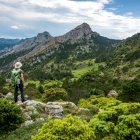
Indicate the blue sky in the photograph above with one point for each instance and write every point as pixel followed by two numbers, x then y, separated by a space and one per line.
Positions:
pixel 116 19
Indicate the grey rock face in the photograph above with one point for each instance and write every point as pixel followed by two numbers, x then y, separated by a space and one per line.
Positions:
pixel 9 96
pixel 54 110
pixel 112 93
pixel 1 95
pixel 29 43
pixel 26 123
pixel 64 104
pixel 78 33
pixel 40 120
pixel 34 103
pixel 68 107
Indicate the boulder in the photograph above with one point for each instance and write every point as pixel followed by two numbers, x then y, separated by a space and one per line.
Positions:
pixel 31 109
pixel 26 123
pixel 27 116
pixel 54 110
pixel 40 120
pixel 9 95
pixel 1 95
pixel 34 105
pixel 25 96
pixel 112 93
pixel 68 107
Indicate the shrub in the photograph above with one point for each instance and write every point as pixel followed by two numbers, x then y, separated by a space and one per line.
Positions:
pixel 54 94
pixel 128 127
pixel 32 91
pixel 10 116
pixel 41 89
pixel 52 84
pixel 113 113
pixel 68 128
pixel 2 83
pixel 120 121
pixel 100 102
pixel 5 90
pixel 101 128
pixel 87 104
pixel 83 103
pixel 97 92
pixel 130 91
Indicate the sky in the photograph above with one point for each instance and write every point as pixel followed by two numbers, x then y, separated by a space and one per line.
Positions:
pixel 117 19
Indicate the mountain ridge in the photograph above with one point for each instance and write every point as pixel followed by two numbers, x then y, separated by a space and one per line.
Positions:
pixel 77 34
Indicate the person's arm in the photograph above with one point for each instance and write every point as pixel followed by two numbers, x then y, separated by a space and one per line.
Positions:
pixel 22 77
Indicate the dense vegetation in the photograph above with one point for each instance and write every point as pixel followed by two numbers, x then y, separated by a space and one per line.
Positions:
pixel 10 116
pixel 67 128
pixel 5 43
pixel 84 73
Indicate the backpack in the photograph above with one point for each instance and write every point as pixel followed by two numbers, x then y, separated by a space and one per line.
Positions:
pixel 15 76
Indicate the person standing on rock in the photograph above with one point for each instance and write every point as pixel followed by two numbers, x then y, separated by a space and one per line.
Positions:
pixel 17 79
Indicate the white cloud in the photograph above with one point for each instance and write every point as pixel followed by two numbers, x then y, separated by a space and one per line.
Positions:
pixel 15 27
pixel 104 21
pixel 129 14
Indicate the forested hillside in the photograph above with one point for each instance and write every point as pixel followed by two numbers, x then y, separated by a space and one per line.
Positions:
pixel 5 43
pixel 93 80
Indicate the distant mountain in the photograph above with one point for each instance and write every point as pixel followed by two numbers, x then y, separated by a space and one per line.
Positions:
pixel 83 60
pixel 78 44
pixel 80 32
pixel 30 43
pixel 25 45
pixel 126 58
pixel 5 43
pixel 82 35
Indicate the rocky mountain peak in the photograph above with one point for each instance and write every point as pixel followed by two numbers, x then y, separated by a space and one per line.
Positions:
pixel 29 43
pixel 77 33
pixel 84 27
pixel 44 35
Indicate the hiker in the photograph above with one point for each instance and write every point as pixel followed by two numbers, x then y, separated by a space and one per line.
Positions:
pixel 17 79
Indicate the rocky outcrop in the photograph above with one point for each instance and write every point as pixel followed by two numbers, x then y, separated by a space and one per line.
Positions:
pixel 1 95
pixel 35 111
pixel 54 110
pixel 80 32
pixel 68 107
pixel 29 43
pixel 112 93
pixel 9 96
pixel 64 104
pixel 74 35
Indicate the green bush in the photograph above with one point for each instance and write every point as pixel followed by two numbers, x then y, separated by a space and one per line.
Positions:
pixel 120 121
pixel 130 91
pixel 68 128
pixel 5 90
pixel 2 84
pixel 10 116
pixel 128 127
pixel 32 91
pixel 104 102
pixel 54 94
pixel 41 89
pixel 52 84
pixel 100 102
pixel 83 103
pixel 2 81
pixel 114 112
pixel 101 128
pixel 97 92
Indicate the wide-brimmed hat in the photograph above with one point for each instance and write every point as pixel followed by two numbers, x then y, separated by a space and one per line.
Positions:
pixel 18 65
